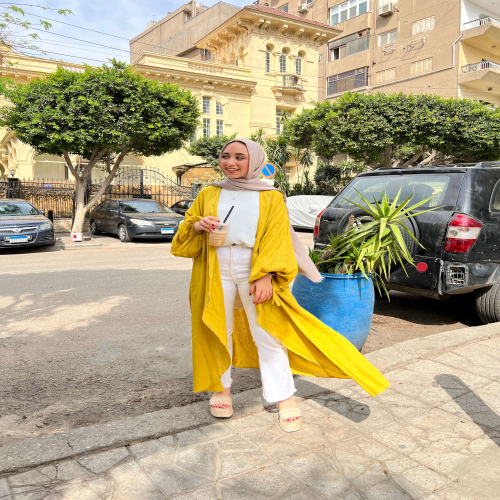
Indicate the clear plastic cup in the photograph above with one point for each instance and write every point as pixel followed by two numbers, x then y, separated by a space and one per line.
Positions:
pixel 218 235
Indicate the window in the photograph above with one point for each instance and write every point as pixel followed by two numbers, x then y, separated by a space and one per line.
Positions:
pixel 348 10
pixel 387 75
pixel 422 66
pixel 388 37
pixel 206 105
pixel 112 207
pixel 278 124
pixel 349 45
pixel 284 8
pixel 219 128
pixel 187 16
pixel 206 127
pixel 206 54
pixel 347 81
pixel 193 137
pixel 287 173
pixel 495 199
pixel 218 108
pixel 423 25
pixel 283 61
pixel 268 59
pixel 298 64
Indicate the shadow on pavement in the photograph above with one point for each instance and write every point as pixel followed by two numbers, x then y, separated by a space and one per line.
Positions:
pixel 472 405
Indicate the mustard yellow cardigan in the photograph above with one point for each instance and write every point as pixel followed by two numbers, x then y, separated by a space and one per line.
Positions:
pixel 314 349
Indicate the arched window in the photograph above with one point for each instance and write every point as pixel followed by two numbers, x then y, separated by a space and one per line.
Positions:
pixel 298 63
pixel 283 55
pixel 268 58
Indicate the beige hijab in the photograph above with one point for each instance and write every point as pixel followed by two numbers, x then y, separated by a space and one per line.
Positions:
pixel 251 182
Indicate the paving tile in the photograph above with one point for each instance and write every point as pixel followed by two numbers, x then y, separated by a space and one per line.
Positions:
pixel 482 363
pixel 103 461
pixel 273 481
pixel 128 481
pixel 381 491
pixel 253 422
pixel 199 459
pixel 153 454
pixel 319 473
pixel 174 480
pixel 203 434
pixel 4 488
pixel 205 493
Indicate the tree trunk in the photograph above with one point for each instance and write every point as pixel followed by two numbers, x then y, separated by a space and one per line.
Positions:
pixel 80 210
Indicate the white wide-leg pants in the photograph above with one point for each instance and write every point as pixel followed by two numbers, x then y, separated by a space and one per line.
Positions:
pixel 235 264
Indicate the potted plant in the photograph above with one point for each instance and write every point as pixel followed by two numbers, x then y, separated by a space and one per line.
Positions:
pixel 356 261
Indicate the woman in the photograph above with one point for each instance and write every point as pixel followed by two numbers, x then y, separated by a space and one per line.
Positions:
pixel 266 328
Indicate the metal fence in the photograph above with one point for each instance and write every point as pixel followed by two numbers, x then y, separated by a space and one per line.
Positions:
pixel 58 197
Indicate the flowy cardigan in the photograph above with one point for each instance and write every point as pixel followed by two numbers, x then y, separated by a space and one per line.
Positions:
pixel 314 349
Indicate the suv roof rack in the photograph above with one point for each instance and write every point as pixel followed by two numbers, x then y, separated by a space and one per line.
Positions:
pixel 481 164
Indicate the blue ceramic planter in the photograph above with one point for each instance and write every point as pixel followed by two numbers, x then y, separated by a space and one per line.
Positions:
pixel 343 302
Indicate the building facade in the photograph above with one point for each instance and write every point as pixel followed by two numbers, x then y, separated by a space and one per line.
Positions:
pixel 439 47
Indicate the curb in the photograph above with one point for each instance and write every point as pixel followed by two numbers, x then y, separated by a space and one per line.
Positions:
pixel 24 455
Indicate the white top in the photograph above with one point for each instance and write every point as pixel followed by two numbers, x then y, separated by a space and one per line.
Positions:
pixel 244 217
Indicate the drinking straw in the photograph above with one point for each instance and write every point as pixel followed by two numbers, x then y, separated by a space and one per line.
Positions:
pixel 228 214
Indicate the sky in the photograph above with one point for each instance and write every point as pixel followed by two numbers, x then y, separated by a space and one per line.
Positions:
pixel 118 22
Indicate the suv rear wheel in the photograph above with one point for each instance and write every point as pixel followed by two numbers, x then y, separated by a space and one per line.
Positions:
pixel 488 303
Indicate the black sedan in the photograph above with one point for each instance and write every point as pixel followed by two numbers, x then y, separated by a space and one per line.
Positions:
pixel 181 207
pixel 21 224
pixel 135 218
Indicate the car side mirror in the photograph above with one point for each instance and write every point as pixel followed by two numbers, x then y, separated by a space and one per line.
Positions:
pixel 42 212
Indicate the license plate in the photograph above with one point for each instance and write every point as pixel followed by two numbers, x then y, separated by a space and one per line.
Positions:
pixel 167 230
pixel 18 239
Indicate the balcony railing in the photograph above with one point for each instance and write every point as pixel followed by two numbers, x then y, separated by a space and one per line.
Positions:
pixel 291 82
pixel 481 22
pixel 470 68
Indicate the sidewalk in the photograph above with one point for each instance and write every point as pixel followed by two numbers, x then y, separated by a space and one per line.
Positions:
pixel 435 434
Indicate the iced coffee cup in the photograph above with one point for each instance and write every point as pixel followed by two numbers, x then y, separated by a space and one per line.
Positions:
pixel 218 235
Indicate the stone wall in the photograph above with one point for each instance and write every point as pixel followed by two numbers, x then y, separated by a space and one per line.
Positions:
pixel 64 226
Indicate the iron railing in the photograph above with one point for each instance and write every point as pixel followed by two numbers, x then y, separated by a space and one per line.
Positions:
pixel 57 197
pixel 481 22
pixel 470 68
pixel 291 82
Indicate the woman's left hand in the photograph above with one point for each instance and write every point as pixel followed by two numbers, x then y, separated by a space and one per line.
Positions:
pixel 262 289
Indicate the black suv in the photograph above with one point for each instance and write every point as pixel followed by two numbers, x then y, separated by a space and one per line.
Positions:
pixel 461 237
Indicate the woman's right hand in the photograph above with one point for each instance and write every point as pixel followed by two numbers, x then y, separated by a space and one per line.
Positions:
pixel 205 224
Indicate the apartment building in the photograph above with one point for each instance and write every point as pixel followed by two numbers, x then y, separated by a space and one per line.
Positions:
pixel 440 47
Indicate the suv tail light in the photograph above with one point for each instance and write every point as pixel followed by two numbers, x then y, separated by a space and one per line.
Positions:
pixel 461 234
pixel 316 224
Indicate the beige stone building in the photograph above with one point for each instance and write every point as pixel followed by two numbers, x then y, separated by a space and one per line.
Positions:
pixel 445 47
pixel 244 65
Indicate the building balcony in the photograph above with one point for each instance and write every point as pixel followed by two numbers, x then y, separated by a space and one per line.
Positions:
pixel 288 84
pixel 484 75
pixel 483 33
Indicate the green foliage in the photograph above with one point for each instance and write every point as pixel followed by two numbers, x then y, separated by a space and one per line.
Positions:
pixel 380 129
pixel 20 34
pixel 259 136
pixel 281 182
pixel 108 109
pixel 209 148
pixel 278 151
pixel 372 247
pixel 327 178
pixel 306 187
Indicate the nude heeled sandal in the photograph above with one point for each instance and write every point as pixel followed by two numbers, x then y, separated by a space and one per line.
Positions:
pixel 286 414
pixel 216 403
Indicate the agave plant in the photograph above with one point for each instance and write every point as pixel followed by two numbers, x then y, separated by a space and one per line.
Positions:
pixel 372 247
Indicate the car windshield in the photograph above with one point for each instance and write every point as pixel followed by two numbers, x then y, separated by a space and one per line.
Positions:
pixel 16 208
pixel 443 187
pixel 144 207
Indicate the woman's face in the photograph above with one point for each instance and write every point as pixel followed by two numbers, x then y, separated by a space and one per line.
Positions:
pixel 234 160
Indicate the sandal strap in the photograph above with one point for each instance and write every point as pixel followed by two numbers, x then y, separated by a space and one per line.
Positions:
pixel 221 400
pixel 289 412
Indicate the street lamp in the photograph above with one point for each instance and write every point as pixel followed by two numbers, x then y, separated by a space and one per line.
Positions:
pixel 12 172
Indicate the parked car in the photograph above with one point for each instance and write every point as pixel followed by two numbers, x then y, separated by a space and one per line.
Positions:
pixel 181 207
pixel 460 238
pixel 135 218
pixel 21 224
pixel 304 209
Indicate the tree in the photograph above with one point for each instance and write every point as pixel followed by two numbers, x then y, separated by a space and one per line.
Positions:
pixel 105 112
pixel 209 149
pixel 397 129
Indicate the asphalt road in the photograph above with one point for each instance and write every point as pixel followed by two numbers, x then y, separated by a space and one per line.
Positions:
pixel 100 334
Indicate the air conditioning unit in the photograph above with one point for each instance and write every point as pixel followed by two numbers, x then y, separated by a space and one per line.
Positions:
pixel 386 10
pixel 304 7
